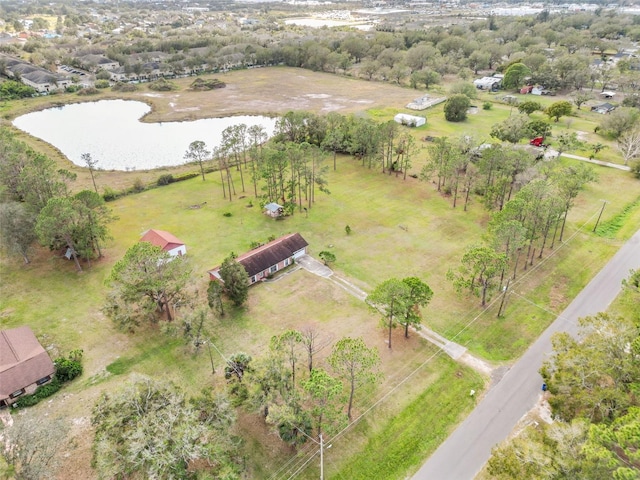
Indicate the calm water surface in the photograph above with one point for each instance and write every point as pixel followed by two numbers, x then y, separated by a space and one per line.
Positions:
pixel 111 131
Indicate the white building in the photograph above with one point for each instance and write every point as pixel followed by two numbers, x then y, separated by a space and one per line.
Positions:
pixel 410 120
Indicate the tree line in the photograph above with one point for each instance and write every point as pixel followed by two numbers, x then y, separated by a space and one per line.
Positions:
pixel 556 51
pixel 37 204
pixel 529 200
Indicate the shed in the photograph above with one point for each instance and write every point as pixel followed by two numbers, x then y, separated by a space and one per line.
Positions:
pixel 166 241
pixel 24 364
pixel 410 120
pixel 487 83
pixel 274 210
pixel 603 108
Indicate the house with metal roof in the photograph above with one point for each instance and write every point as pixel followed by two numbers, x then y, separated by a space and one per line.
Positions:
pixel 274 210
pixel 24 364
pixel 265 260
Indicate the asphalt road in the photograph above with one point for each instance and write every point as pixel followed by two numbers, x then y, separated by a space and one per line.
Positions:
pixel 464 453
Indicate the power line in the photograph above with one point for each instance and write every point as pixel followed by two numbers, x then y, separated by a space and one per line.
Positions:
pixel 440 351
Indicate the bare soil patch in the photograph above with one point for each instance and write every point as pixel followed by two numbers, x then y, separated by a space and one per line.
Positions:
pixel 274 91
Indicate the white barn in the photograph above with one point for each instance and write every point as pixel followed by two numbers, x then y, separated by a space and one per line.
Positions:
pixel 410 120
pixel 488 83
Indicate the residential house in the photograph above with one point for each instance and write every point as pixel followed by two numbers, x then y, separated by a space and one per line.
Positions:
pixel 166 241
pixel 94 63
pixel 269 258
pixel 42 80
pixel 120 75
pixel 24 364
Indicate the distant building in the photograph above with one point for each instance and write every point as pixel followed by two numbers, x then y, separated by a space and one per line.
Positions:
pixel 603 108
pixel 488 83
pixel 40 79
pixel 94 63
pixel 24 364
pixel 409 120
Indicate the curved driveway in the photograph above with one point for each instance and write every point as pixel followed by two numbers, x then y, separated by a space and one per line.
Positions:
pixel 464 453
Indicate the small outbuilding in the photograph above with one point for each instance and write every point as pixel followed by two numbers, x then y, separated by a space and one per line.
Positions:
pixel 24 364
pixel 166 241
pixel 410 120
pixel 603 108
pixel 488 83
pixel 274 210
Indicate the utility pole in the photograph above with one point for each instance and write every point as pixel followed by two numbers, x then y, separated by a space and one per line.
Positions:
pixel 604 204
pixel 321 458
pixel 504 295
pixel 213 369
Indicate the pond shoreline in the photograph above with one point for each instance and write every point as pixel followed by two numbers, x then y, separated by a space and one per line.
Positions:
pixel 112 132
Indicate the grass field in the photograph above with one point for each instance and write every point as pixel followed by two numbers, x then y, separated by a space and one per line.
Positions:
pixel 399 228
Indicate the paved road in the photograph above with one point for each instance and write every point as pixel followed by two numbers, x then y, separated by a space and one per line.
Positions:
pixel 468 448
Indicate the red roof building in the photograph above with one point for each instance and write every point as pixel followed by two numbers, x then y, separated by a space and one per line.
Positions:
pixel 166 241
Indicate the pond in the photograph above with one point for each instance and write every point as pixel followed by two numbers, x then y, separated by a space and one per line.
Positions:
pixel 111 131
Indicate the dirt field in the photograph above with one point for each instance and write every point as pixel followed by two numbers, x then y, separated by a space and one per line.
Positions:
pixel 273 91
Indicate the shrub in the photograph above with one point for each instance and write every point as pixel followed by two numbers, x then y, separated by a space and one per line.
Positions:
pixel 165 179
pixel 73 88
pixel 227 214
pixel 487 106
pixel 138 185
pixel 41 393
pixel 200 84
pixel 103 75
pixel 455 109
pixel 102 84
pixel 67 369
pixel 88 91
pixel 110 194
pixel 124 87
pixel 162 85
pixel 464 88
pixel 635 168
pixel 185 176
